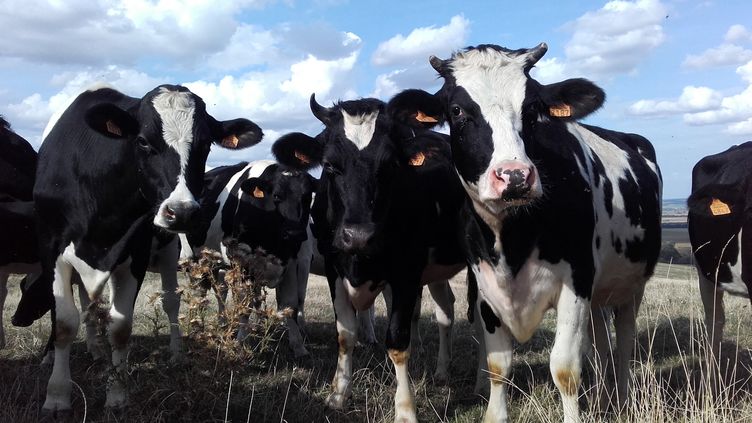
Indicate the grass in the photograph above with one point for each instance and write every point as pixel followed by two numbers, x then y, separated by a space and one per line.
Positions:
pixel 213 386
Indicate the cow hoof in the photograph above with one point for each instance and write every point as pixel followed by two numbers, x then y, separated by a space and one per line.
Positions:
pixel 56 415
pixel 116 402
pixel 177 359
pixel 405 417
pixel 441 377
pixel 56 407
pixel 301 353
pixel 48 359
pixel 336 401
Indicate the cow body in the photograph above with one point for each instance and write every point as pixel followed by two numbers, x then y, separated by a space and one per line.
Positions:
pixel 385 220
pixel 261 205
pixel 720 231
pixel 18 243
pixel 560 215
pixel 113 169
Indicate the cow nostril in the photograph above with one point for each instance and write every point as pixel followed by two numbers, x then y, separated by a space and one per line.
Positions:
pixel 347 236
pixel 169 213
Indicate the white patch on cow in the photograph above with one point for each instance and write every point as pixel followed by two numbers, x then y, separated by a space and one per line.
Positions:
pixel 360 128
pixel 496 83
pixel 93 279
pixel 214 234
pixel 362 296
pixel 737 286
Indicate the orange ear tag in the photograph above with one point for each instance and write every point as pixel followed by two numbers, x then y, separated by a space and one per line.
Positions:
pixel 113 128
pixel 302 157
pixel 230 141
pixel 258 193
pixel 562 110
pixel 422 117
pixel 418 159
pixel 719 208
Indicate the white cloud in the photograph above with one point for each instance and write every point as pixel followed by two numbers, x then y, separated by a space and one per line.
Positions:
pixel 421 76
pixel 723 55
pixel 738 34
pixel 421 43
pixel 692 99
pixel 550 70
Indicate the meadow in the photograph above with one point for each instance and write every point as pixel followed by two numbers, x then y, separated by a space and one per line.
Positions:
pixel 216 384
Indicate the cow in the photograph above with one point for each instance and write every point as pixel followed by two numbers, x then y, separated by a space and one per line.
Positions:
pixel 385 220
pixel 113 171
pixel 720 231
pixel 260 205
pixel 559 214
pixel 18 245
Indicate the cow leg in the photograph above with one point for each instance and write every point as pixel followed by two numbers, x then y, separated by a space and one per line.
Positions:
pixel 168 262
pixel 123 288
pixel 602 356
pixel 347 336
pixel 416 343
pixel 66 325
pixel 221 297
pixel 443 299
pixel 625 323
pixel 367 324
pixel 715 320
pixel 94 344
pixel 398 345
pixel 498 357
pixel 287 297
pixel 482 387
pixel 573 317
pixel 3 294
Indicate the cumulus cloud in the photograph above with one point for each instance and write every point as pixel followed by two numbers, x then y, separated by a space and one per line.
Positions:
pixel 704 106
pixel 692 99
pixel 616 38
pixel 738 33
pixel 723 55
pixel 421 43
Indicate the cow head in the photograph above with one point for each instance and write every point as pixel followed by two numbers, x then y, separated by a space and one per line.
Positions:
pixel 493 106
pixel 170 134
pixel 363 148
pixel 273 210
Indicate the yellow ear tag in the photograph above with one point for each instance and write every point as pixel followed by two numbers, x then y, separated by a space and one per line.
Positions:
pixel 562 110
pixel 719 208
pixel 302 157
pixel 113 128
pixel 422 117
pixel 230 141
pixel 418 159
pixel 258 193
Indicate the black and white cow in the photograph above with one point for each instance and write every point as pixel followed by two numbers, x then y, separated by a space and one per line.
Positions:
pixel 113 170
pixel 384 218
pixel 560 215
pixel 720 231
pixel 18 243
pixel 260 205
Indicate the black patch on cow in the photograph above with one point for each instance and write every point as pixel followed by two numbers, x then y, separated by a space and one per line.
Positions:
pixel 597 240
pixel 489 318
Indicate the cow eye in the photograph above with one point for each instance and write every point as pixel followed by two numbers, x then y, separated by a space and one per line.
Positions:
pixel 142 143
pixel 456 111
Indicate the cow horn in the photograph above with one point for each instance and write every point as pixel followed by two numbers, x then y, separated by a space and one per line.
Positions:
pixel 535 53
pixel 321 112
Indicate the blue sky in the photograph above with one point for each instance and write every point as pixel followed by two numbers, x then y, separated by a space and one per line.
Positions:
pixel 678 72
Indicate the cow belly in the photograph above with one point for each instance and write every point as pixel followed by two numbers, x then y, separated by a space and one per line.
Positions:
pixel 520 302
pixel 363 296
pixel 618 283
pixel 440 272
pixel 736 286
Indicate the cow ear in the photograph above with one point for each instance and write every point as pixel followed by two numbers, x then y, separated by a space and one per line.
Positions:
pixel 256 188
pixel 298 151
pixel 111 121
pixel 416 108
pixel 715 200
pixel 572 99
pixel 237 134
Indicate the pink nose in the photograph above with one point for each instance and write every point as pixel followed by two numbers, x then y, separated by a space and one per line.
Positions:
pixel 512 180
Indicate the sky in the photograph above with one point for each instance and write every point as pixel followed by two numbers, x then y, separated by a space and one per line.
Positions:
pixel 678 72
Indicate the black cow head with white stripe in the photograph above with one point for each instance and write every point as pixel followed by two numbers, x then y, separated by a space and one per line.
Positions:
pixel 170 134
pixel 493 106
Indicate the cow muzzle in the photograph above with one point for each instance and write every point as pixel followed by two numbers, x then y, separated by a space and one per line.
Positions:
pixel 511 181
pixel 354 237
pixel 177 216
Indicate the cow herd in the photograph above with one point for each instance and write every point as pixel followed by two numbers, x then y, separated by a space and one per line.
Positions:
pixel 543 212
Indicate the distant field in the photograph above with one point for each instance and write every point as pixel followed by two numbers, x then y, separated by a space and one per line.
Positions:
pixel 274 388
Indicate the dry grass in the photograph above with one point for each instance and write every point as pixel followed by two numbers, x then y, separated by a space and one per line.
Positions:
pixel 269 386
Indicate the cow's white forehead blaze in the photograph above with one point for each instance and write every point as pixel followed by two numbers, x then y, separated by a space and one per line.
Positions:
pixel 496 82
pixel 360 128
pixel 176 109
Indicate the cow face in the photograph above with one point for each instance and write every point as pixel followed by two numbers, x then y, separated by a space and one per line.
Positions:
pixel 358 160
pixel 274 209
pixel 492 106
pixel 170 134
